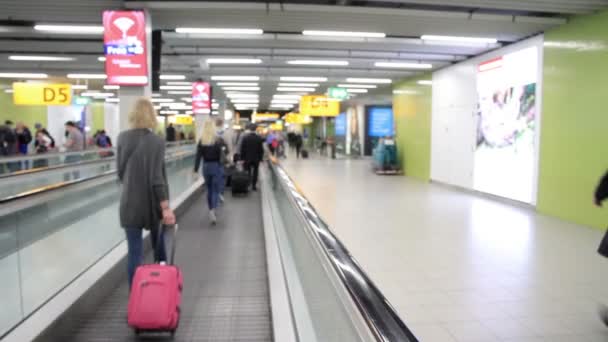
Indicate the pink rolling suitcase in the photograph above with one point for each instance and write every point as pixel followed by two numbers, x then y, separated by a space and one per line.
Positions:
pixel 154 302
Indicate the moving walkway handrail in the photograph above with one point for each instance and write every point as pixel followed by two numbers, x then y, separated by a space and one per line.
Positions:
pixel 103 160
pixel 379 315
pixel 65 184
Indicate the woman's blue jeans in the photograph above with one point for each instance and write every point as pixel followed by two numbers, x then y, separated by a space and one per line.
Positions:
pixel 135 254
pixel 212 172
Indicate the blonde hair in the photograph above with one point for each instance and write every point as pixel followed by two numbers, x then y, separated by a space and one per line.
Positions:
pixel 208 133
pixel 143 114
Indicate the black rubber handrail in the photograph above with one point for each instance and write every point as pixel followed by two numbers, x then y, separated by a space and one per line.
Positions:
pixel 379 315
pixel 57 167
pixel 65 184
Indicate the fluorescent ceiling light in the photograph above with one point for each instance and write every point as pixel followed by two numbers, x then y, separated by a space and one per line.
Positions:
pixel 88 76
pixel 156 95
pixel 281 106
pixel 114 99
pixel 317 62
pixel 369 80
pixel 241 95
pixel 208 30
pixel 22 75
pixel 8 91
pixel 215 106
pixel 298 85
pixel 303 79
pixel 179 92
pixel 101 59
pixel 460 39
pixel 214 112
pixel 96 94
pixel 80 87
pixel 242 88
pixel 286 96
pixel 244 101
pixel 162 100
pixel 368 86
pixel 41 58
pixel 186 99
pixel 179 83
pixel 175 87
pixel 425 82
pixel 234 61
pixel 403 65
pixel 111 87
pixel 172 77
pixel 238 84
pixel 72 29
pixel 344 34
pixel 356 90
pixel 168 112
pixel 235 78
pixel 295 89
pixel 285 101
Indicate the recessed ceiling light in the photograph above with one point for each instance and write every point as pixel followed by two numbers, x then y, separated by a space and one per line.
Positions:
pixel 209 30
pixel 369 80
pixel 356 90
pixel 242 88
pixel 72 29
pixel 302 79
pixel 88 76
pixel 179 92
pixel 369 86
pixel 172 77
pixel 235 78
pixel 298 85
pixel 101 59
pixel 22 75
pixel 234 61
pixel 460 39
pixel 175 87
pixel 344 34
pixel 403 65
pixel 297 89
pixel 425 82
pixel 161 100
pixel 179 83
pixel 238 84
pixel 41 58
pixel 318 62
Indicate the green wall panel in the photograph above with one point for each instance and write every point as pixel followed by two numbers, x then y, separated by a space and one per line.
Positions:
pixel 29 115
pixel 574 123
pixel 98 115
pixel 412 111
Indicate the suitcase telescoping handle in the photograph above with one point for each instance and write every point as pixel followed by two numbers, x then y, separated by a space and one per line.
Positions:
pixel 173 242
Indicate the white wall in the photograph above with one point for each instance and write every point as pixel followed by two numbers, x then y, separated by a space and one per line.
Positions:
pixel 111 121
pixel 454 125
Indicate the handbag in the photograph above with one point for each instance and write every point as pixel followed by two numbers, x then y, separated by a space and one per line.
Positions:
pixel 603 248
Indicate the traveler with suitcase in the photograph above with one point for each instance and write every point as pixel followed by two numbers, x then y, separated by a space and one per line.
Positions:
pixel 144 199
pixel 211 149
pixel 601 194
pixel 251 153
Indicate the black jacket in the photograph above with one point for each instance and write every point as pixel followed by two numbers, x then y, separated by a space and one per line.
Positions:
pixel 252 148
pixel 601 193
pixel 170 133
pixel 209 153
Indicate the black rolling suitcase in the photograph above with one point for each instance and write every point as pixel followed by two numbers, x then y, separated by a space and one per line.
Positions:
pixel 229 171
pixel 239 181
pixel 304 154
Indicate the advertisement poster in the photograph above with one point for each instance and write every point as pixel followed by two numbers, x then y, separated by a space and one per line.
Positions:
pixel 341 125
pixel 201 98
pixel 506 125
pixel 380 122
pixel 125 48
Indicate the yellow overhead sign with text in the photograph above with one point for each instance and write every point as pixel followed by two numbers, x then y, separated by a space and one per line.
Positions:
pixel 181 120
pixel 319 105
pixel 265 117
pixel 42 94
pixel 297 119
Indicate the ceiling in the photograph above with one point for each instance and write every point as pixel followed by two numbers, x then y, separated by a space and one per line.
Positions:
pixel 403 22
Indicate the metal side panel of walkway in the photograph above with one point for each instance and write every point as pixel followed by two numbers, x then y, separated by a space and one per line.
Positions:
pixel 225 280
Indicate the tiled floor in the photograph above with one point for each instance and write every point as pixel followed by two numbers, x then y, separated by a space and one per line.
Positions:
pixel 460 267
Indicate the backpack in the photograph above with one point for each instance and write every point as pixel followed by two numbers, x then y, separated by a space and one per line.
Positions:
pixel 103 141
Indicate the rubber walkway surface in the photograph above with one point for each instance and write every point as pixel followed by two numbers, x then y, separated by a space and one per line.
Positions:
pixel 225 281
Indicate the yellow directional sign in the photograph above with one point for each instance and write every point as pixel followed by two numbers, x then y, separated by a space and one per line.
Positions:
pixel 181 120
pixel 42 94
pixel 297 119
pixel 319 105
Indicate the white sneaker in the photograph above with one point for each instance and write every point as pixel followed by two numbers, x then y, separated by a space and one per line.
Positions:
pixel 212 216
pixel 221 198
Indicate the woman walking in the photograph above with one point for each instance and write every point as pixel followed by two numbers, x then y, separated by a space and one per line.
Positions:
pixel 211 149
pixel 144 201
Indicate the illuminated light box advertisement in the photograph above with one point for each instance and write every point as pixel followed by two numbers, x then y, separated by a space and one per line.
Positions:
pixel 341 125
pixel 201 98
pixel 124 38
pixel 380 122
pixel 506 125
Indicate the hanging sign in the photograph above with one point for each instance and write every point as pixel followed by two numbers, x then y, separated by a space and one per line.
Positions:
pixel 319 105
pixel 337 93
pixel 181 119
pixel 124 38
pixel 201 98
pixel 42 94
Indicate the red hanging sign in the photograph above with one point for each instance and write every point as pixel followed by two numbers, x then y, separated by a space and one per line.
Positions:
pixel 124 38
pixel 201 98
